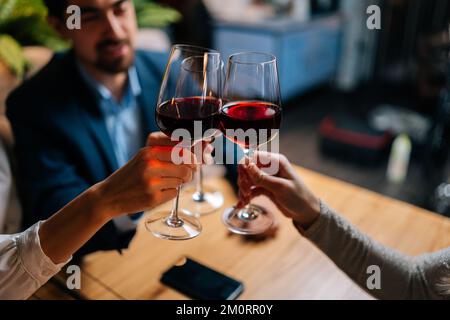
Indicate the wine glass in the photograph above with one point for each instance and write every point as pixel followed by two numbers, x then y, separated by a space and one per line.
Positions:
pixel 250 117
pixel 187 111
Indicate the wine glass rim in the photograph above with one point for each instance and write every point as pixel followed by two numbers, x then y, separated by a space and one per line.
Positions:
pixel 272 58
pixel 191 48
pixel 220 63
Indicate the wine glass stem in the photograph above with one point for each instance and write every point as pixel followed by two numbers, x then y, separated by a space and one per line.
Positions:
pixel 248 152
pixel 199 192
pixel 173 220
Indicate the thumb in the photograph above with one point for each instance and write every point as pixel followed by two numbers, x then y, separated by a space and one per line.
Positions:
pixel 261 179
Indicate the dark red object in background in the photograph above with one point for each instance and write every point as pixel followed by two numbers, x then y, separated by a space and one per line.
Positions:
pixel 353 140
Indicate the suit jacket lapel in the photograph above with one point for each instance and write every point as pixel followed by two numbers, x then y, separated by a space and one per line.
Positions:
pixel 149 78
pixel 97 126
pixel 93 118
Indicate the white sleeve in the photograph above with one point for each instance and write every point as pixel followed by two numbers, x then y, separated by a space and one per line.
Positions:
pixel 24 267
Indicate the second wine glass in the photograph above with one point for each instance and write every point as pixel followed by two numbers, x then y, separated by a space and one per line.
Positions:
pixel 250 117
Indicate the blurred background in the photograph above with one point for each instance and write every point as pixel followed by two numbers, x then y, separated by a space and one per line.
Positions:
pixel 370 107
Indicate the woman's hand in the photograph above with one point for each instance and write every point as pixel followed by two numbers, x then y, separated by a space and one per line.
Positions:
pixel 286 189
pixel 146 181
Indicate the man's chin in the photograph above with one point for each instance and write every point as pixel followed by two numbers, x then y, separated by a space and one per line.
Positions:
pixel 114 66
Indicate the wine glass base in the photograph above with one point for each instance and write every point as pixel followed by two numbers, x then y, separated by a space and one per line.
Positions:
pixel 201 204
pixel 188 227
pixel 248 221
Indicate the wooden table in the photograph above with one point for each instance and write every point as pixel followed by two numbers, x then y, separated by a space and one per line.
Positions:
pixel 286 267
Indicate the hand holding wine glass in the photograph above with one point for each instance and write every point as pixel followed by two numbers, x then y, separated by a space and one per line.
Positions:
pixel 286 189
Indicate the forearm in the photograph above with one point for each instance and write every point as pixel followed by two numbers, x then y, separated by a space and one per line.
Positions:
pixel 353 252
pixel 71 227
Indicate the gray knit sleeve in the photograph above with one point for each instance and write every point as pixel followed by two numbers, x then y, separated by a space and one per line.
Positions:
pixel 402 277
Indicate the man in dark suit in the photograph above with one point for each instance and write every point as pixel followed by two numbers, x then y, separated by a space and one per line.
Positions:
pixel 85 114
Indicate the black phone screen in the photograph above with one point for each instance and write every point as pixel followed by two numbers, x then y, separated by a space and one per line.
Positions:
pixel 201 282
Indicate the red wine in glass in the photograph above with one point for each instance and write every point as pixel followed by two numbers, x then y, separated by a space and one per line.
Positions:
pixel 246 115
pixel 182 113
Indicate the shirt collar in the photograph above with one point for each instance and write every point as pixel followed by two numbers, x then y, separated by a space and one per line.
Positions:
pixel 133 81
pixel 102 92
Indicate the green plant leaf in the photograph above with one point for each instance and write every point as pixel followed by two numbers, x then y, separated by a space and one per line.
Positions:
pixel 25 20
pixel 21 8
pixel 152 15
pixel 28 25
pixel 11 55
pixel 6 8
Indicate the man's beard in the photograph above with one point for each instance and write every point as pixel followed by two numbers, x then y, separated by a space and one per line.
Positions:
pixel 113 65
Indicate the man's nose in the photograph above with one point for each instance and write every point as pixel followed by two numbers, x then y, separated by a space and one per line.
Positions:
pixel 114 26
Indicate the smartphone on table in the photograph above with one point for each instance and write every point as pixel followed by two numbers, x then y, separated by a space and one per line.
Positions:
pixel 198 281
